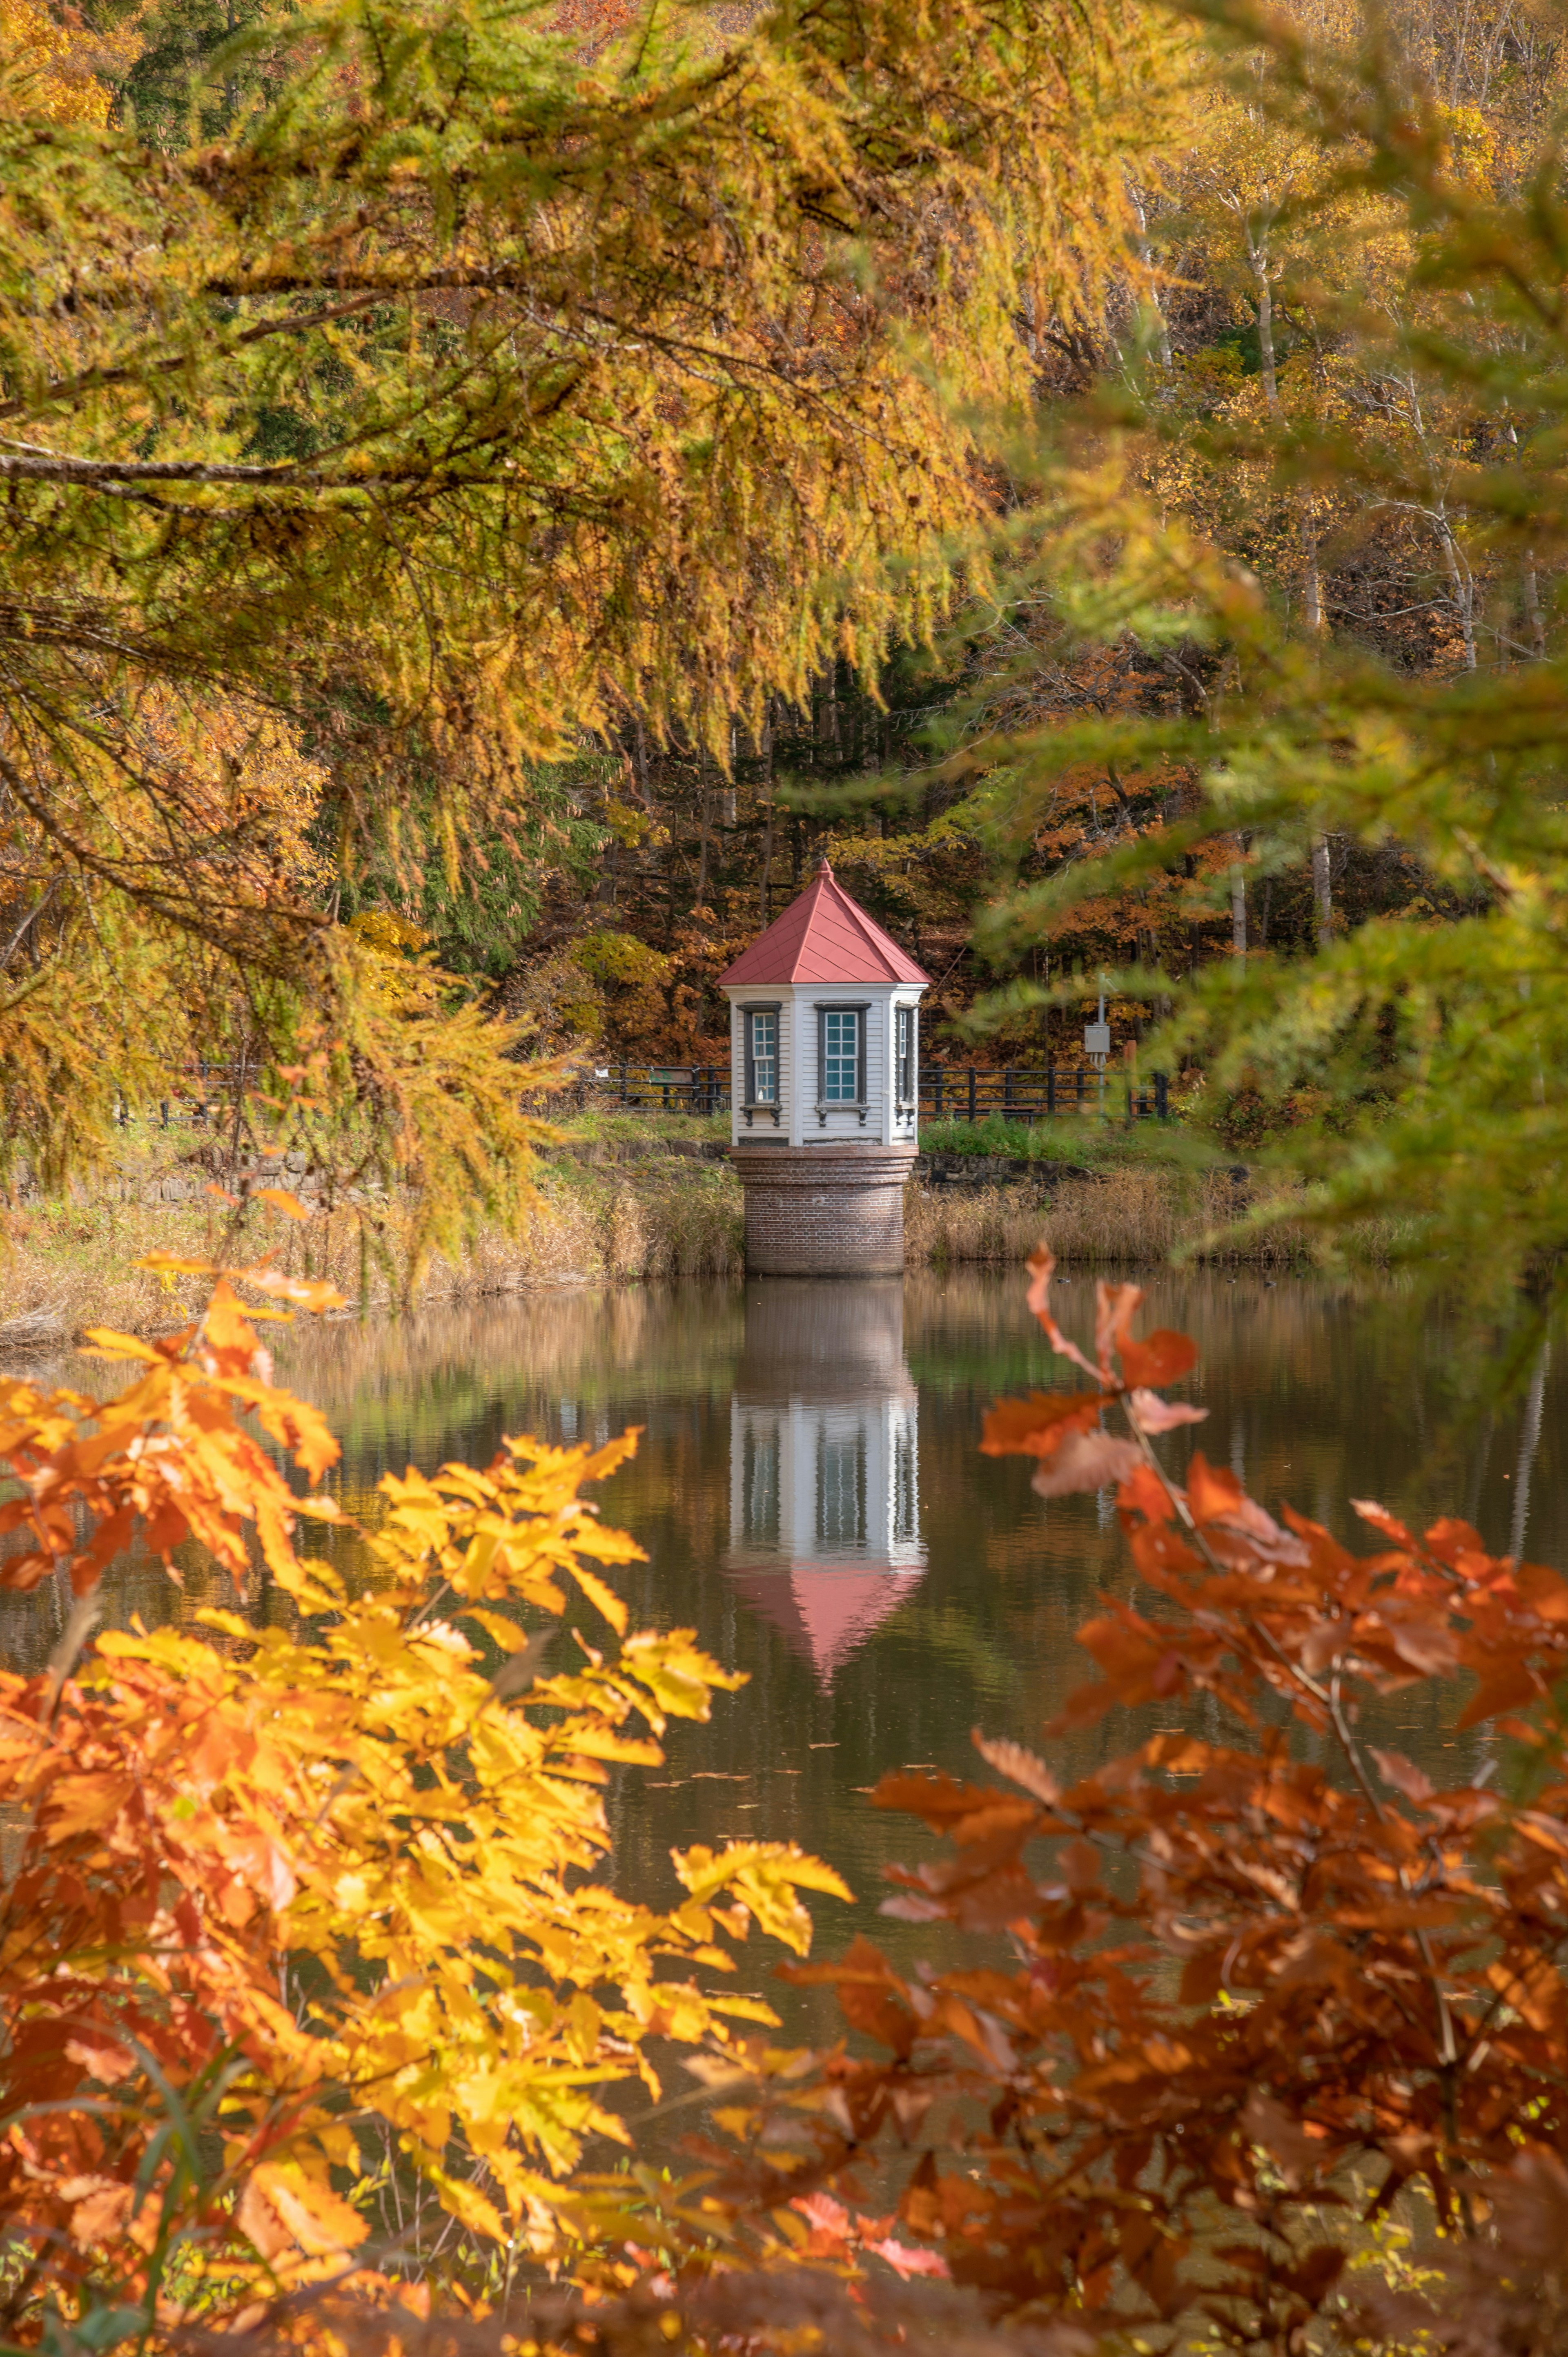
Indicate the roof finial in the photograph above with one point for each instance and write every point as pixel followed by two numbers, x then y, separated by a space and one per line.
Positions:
pixel 826 867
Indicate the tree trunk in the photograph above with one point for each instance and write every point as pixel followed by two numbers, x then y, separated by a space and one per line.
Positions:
pixel 702 800
pixel 1322 890
pixel 1239 908
pixel 1532 606
pixel 1528 1442
pixel 1152 296
pixel 1312 578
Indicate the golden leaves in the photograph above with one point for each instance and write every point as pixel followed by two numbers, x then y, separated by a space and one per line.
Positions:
pixel 763 1876
pixel 356 1800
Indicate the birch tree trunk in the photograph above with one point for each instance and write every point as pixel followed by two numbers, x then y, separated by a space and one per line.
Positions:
pixel 1322 890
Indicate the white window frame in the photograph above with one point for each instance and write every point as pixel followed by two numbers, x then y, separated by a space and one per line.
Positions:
pixel 906 1057
pixel 859 1104
pixel 751 1104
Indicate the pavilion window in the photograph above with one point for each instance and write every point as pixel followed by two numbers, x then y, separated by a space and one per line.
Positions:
pixel 840 1060
pixel 905 1075
pixel 761 1037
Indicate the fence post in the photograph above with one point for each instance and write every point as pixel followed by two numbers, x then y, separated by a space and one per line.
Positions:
pixel 971 1092
pixel 1162 1102
pixel 941 1069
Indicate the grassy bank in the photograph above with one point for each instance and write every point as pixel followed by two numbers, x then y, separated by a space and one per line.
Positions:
pixel 615 1206
pixel 67 1266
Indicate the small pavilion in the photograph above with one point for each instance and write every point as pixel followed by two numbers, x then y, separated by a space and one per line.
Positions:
pixel 825 1068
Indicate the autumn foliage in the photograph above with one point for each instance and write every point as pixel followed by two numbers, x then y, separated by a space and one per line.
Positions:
pixel 302 1928
pixel 310 1978
pixel 1222 2003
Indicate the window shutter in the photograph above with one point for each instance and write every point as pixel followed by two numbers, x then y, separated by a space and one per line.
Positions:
pixel 861 1023
pixel 748 1020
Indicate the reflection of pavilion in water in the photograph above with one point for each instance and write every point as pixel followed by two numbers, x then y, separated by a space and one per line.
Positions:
pixel 825 1487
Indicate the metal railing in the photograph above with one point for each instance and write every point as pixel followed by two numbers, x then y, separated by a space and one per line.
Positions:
pixel 1017 1092
pixel 1025 1094
pixel 203 1093
pixel 667 1088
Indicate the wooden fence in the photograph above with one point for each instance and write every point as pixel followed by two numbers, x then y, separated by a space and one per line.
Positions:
pixel 1020 1092
pixel 948 1092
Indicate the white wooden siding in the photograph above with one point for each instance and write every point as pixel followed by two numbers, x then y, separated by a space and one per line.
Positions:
pixel 800 1079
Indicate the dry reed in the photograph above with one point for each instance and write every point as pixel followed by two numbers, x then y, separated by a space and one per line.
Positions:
pixel 1119 1217
pixel 64 1266
pixel 67 1266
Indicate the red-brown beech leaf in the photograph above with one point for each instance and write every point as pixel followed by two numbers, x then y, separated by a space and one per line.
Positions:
pixel 1546 1592
pixel 1404 1775
pixel 1161 1358
pixel 1086 1460
pixel 1266 2121
pixel 940 1800
pixel 1041 1263
pixel 1504 1687
pixel 1020 1766
pixel 1382 1520
pixel 1156 1415
pixel 1038 1426
pixel 1215 1496
pixel 1115 1306
pixel 871 2000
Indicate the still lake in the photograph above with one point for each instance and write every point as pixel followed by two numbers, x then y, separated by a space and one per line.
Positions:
pixel 812 1502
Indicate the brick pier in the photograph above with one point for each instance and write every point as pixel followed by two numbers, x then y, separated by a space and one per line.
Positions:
pixel 824 1211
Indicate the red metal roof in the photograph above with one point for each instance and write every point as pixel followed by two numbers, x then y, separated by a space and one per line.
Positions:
pixel 823 937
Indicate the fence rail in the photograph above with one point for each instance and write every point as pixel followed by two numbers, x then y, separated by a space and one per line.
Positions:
pixel 203 1093
pixel 1020 1092
pixel 668 1088
pixel 951 1092
pixel 947 1091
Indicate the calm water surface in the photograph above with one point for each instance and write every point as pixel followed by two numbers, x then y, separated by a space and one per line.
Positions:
pixel 812 1500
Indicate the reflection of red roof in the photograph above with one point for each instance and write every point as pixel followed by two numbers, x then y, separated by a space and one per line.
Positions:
pixel 823 936
pixel 823 1613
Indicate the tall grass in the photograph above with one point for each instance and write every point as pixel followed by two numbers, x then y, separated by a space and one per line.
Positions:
pixel 1119 1216
pixel 64 1266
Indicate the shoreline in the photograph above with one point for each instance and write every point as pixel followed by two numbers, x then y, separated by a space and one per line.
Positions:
pixel 659 1215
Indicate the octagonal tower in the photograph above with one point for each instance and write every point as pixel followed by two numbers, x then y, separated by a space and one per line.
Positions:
pixel 825 1053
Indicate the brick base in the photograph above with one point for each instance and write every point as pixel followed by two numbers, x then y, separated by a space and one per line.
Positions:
pixel 824 1211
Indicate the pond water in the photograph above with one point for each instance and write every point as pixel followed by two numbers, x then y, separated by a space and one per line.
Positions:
pixel 811 1500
